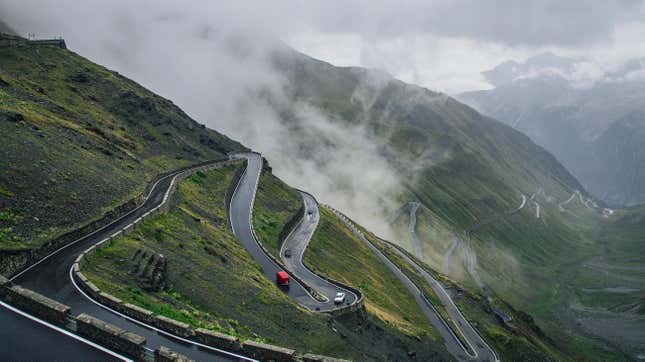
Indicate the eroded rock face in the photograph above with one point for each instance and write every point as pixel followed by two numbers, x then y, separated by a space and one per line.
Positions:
pixel 150 270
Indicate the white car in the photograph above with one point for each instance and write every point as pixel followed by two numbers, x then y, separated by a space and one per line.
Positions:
pixel 339 298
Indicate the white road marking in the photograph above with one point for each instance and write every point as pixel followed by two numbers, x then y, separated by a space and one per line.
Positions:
pixel 63 331
pixel 161 331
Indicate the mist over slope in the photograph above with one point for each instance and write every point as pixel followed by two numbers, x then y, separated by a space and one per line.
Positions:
pixel 441 151
pixel 587 116
pixel 495 210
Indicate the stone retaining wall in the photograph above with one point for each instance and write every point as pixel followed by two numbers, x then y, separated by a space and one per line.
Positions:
pixel 165 354
pixel 111 336
pixel 218 340
pixel 37 304
pixel 317 358
pixel 175 327
pixel 267 352
pixel 115 338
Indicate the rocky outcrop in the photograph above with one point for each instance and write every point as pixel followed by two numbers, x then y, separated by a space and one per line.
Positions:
pixel 149 269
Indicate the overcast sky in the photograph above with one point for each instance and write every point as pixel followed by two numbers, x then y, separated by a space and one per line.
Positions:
pixel 191 53
pixel 443 45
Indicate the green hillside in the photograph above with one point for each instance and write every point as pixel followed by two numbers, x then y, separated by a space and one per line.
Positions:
pixel 79 139
pixel 212 282
pixel 469 172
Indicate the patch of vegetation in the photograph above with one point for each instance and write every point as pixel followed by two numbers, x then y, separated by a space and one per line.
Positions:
pixel 78 134
pixel 337 253
pixel 275 204
pixel 212 282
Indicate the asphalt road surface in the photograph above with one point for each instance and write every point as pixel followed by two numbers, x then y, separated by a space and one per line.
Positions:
pixel 297 243
pixel 482 351
pixel 52 278
pixel 19 335
pixel 240 217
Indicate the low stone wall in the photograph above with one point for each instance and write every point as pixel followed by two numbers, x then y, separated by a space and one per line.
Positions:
pixel 218 340
pixel 111 336
pixel 165 354
pixel 317 358
pixel 267 352
pixel 37 304
pixel 175 327
pixel 137 312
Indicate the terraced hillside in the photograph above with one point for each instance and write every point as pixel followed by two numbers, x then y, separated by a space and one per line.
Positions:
pixel 79 139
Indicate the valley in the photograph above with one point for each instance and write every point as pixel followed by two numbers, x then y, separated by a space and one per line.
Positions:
pixel 452 236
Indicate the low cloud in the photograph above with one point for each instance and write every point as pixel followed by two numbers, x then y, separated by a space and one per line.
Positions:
pixel 219 70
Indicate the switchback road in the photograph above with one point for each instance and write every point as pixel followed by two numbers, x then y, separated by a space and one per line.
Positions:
pixel 240 214
pixel 51 277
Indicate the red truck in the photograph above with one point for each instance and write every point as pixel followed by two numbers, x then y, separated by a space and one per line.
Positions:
pixel 282 278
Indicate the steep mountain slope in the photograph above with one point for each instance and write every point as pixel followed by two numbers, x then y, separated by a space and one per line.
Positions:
pixel 429 137
pixel 580 118
pixel 79 139
pixel 489 196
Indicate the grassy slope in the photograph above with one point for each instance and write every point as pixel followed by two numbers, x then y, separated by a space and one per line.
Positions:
pixel 336 253
pixel 276 203
pixel 529 344
pixel 463 168
pixel 214 283
pixel 79 139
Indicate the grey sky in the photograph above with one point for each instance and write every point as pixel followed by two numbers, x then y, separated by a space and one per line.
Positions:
pixel 443 45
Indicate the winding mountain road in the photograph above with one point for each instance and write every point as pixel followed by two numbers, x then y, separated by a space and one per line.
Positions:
pixel 51 277
pixel 481 350
pixel 297 241
pixel 240 214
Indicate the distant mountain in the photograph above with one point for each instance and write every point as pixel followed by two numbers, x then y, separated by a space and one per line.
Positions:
pixel 580 113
